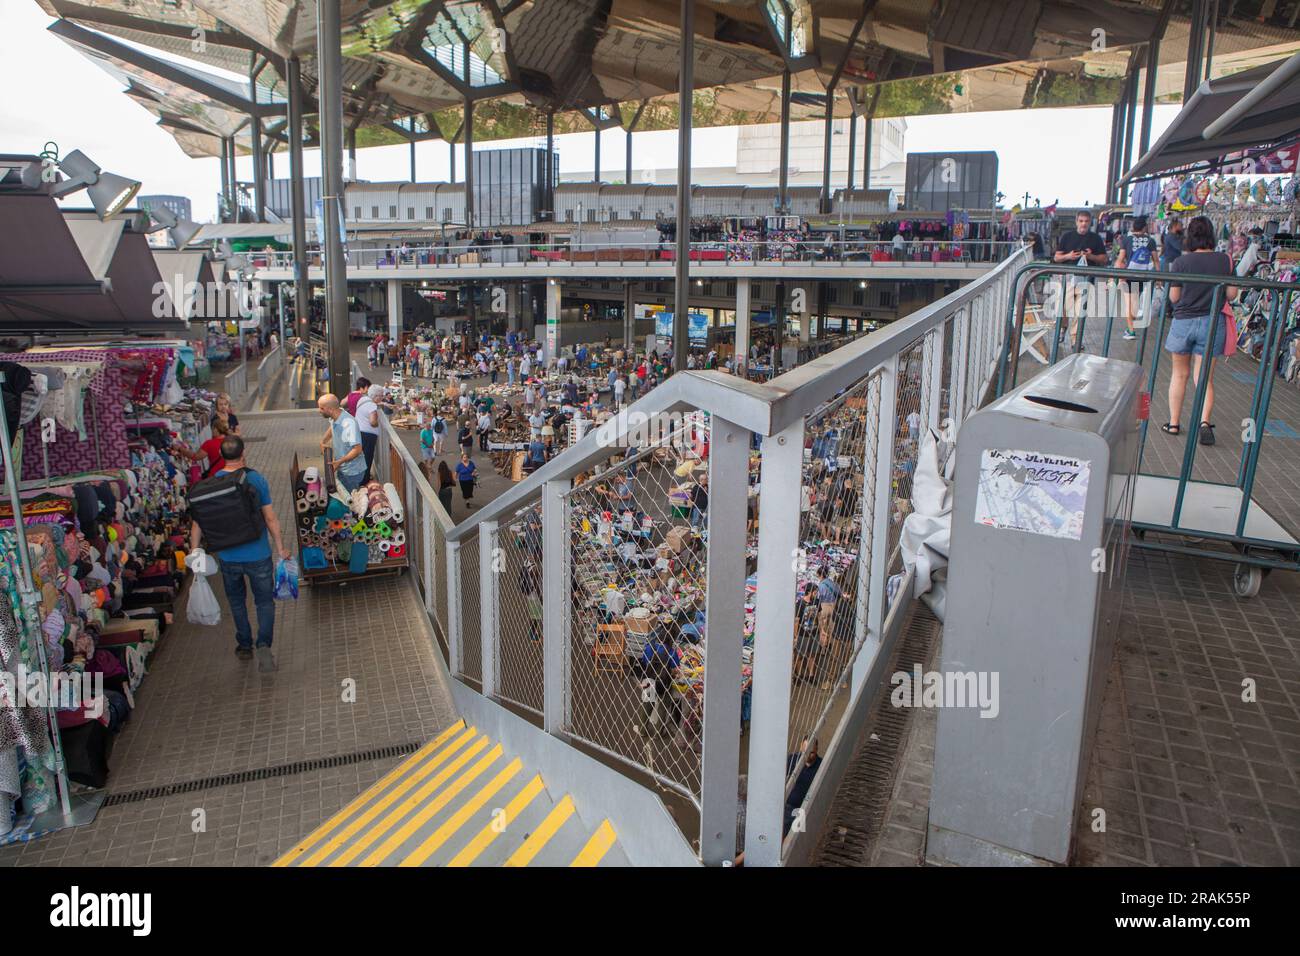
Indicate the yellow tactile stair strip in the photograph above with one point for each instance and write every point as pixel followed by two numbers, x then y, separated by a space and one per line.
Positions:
pixel 460 764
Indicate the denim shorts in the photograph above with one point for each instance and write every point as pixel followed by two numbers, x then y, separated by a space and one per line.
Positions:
pixel 1189 336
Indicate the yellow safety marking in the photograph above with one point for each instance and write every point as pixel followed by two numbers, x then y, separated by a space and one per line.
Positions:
pixel 457 820
pixel 542 835
pixel 435 805
pixel 414 800
pixel 597 846
pixel 372 791
pixel 476 846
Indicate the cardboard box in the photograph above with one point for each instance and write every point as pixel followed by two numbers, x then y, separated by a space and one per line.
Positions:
pixel 639 625
pixel 678 538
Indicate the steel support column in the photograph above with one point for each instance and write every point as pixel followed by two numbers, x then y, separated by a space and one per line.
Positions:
pixel 234 181
pixel 685 105
pixel 225 180
pixel 298 200
pixel 629 316
pixel 824 203
pixel 330 94
pixel 469 163
pixel 853 142
pixel 1149 96
pixel 1213 16
pixel 1195 49
pixel 1112 152
pixel 550 163
pixel 596 176
pixel 783 181
pixel 259 170
pixel 740 358
pixel 1130 119
pixel 866 151
pixel 412 160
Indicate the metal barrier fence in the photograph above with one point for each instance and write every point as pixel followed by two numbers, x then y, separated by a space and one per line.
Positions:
pixel 853 254
pixel 539 594
pixel 269 368
pixel 236 383
pixel 1221 499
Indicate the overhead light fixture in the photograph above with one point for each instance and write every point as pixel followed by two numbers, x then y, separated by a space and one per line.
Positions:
pixel 108 192
pixel 181 231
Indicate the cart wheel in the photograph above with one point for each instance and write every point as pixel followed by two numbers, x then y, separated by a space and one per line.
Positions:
pixel 1246 580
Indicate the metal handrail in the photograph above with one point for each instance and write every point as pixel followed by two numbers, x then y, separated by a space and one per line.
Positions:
pixel 841 253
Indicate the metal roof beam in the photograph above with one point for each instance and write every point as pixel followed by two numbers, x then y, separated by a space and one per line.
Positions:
pixel 168 71
pixel 126 21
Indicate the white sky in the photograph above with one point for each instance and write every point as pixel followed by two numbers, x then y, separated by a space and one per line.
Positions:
pixel 57 94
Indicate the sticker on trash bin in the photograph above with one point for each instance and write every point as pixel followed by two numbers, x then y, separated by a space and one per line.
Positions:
pixel 1033 492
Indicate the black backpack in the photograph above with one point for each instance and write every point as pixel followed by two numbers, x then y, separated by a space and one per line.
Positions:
pixel 228 510
pixel 438 426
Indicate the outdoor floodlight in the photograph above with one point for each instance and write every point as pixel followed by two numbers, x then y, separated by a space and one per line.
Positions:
pixel 181 231
pixel 109 193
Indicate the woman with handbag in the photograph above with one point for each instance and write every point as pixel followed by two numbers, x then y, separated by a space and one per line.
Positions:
pixel 1188 341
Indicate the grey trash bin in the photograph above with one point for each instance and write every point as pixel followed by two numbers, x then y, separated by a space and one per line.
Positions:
pixel 1043 493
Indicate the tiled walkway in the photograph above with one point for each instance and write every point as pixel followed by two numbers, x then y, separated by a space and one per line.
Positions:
pixel 201 713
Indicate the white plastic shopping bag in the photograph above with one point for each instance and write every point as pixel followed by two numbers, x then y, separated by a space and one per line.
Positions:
pixel 203 607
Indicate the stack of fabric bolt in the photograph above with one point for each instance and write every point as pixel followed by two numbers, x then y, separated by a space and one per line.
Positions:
pixel 356 530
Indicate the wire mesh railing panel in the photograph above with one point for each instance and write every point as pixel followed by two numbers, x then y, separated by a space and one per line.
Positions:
pixel 471 616
pixel 518 565
pixel 908 423
pixel 635 687
pixel 833 563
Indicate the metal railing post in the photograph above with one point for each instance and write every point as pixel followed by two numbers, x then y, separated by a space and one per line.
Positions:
pixel 882 513
pixel 489 605
pixel 557 630
pixel 957 386
pixel 725 627
pixel 426 532
pixel 455 635
pixel 781 478
pixel 932 374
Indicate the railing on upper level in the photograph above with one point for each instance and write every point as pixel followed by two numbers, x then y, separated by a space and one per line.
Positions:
pixel 533 595
pixel 847 254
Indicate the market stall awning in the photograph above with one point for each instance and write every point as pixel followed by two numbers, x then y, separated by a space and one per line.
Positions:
pixel 1268 118
pixel 242 230
pixel 66 272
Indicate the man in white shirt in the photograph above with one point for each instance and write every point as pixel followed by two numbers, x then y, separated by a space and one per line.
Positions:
pixel 900 247
pixel 535 422
pixel 525 366
pixel 620 386
pixel 367 417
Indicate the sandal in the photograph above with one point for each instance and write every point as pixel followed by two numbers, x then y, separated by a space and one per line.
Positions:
pixel 1170 428
pixel 1207 433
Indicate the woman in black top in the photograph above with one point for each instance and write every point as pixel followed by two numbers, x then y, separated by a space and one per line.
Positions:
pixel 1189 332
pixel 446 486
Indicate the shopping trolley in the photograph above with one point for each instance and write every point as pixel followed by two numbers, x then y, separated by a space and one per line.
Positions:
pixel 1226 501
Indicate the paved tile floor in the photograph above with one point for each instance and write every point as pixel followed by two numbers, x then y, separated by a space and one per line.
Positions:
pixel 201 713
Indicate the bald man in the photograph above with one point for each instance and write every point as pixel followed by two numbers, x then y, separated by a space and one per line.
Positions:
pixel 344 437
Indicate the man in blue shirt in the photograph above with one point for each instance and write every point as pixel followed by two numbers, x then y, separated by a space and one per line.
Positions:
pixel 252 559
pixel 344 437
